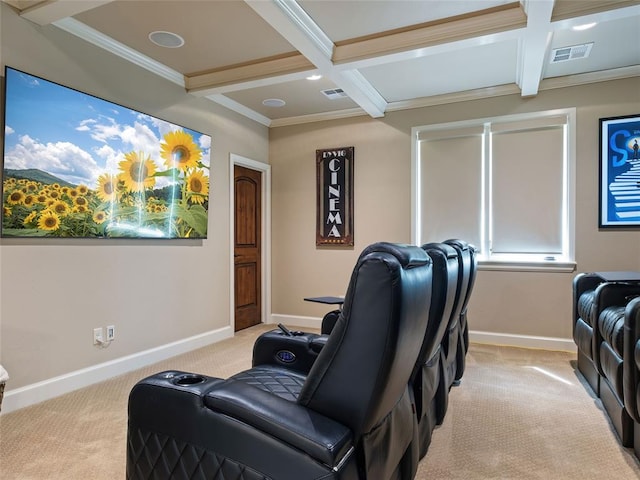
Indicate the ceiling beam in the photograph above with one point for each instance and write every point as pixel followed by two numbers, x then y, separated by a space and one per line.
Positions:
pixel 418 37
pixel 533 46
pixel 49 11
pixel 293 23
pixel 567 9
pixel 266 71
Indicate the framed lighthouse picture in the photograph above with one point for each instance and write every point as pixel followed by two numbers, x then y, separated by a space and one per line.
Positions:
pixel 619 172
pixel 334 211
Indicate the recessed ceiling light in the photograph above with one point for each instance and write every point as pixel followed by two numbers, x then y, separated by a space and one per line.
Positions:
pixel 166 39
pixel 585 26
pixel 314 77
pixel 273 102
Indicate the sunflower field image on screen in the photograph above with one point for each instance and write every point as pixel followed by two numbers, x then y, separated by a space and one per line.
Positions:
pixel 79 166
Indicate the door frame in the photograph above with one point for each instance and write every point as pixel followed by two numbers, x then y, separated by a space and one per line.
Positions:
pixel 265 235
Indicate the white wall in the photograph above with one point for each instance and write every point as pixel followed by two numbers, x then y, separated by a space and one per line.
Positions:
pixel 155 292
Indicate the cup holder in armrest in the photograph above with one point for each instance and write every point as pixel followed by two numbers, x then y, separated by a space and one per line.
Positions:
pixel 189 379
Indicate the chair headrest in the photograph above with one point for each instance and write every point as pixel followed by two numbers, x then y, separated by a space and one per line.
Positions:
pixel 447 250
pixel 409 256
pixel 461 244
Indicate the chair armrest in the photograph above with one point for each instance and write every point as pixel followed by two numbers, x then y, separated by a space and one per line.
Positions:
pixel 295 352
pixel 318 343
pixel 320 437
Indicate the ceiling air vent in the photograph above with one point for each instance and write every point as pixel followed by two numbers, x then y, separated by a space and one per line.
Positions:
pixel 334 93
pixel 574 52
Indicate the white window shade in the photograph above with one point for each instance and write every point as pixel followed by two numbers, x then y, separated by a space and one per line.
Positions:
pixel 450 185
pixel 527 188
pixel 505 184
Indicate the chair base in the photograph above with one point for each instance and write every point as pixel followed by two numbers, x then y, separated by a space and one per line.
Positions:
pixel 622 422
pixel 589 372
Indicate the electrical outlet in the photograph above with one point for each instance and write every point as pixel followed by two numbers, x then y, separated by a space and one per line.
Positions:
pixel 97 336
pixel 111 332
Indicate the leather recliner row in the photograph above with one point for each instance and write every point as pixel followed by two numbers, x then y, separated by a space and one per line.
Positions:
pixel 441 361
pixel 338 406
pixel 604 330
pixel 631 368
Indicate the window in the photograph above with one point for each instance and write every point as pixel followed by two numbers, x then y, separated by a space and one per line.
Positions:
pixel 504 184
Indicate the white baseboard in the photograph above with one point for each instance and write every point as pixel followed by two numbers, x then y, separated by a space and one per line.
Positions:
pixel 524 341
pixel 53 387
pixel 296 321
pixel 504 339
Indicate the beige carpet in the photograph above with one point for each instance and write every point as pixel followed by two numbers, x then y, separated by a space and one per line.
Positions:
pixel 519 414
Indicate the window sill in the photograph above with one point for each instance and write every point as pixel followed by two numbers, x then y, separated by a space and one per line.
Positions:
pixel 549 267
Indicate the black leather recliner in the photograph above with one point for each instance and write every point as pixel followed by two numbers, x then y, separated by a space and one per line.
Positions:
pixel 350 417
pixel 429 381
pixel 631 368
pixel 612 299
pixel 584 323
pixel 467 270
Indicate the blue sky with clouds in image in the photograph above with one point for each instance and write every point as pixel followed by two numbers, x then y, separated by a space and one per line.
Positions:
pixel 75 136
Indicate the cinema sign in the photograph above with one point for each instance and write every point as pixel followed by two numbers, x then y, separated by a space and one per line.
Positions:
pixel 334 224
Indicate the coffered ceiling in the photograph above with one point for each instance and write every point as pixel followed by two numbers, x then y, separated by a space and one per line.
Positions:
pixel 375 56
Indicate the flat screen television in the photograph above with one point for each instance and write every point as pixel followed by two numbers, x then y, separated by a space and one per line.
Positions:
pixel 75 165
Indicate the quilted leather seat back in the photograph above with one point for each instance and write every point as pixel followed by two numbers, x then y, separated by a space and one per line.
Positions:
pixel 610 325
pixel 587 307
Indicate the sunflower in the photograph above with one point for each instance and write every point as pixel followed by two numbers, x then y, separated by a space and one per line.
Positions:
pixel 6 211
pixel 80 209
pixel 82 189
pixel 64 190
pixel 29 200
pixel 16 197
pixel 179 150
pixel 55 186
pixel 29 218
pixel 106 189
pixel 99 217
pixel 137 172
pixel 197 187
pixel 80 202
pixel 49 221
pixel 41 198
pixel 32 187
pixel 60 208
pixel 72 193
pixel 55 194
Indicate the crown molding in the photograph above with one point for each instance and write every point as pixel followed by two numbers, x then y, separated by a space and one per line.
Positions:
pixel 91 35
pixel 239 108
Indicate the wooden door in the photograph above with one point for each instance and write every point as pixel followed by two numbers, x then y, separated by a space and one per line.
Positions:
pixel 247 247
